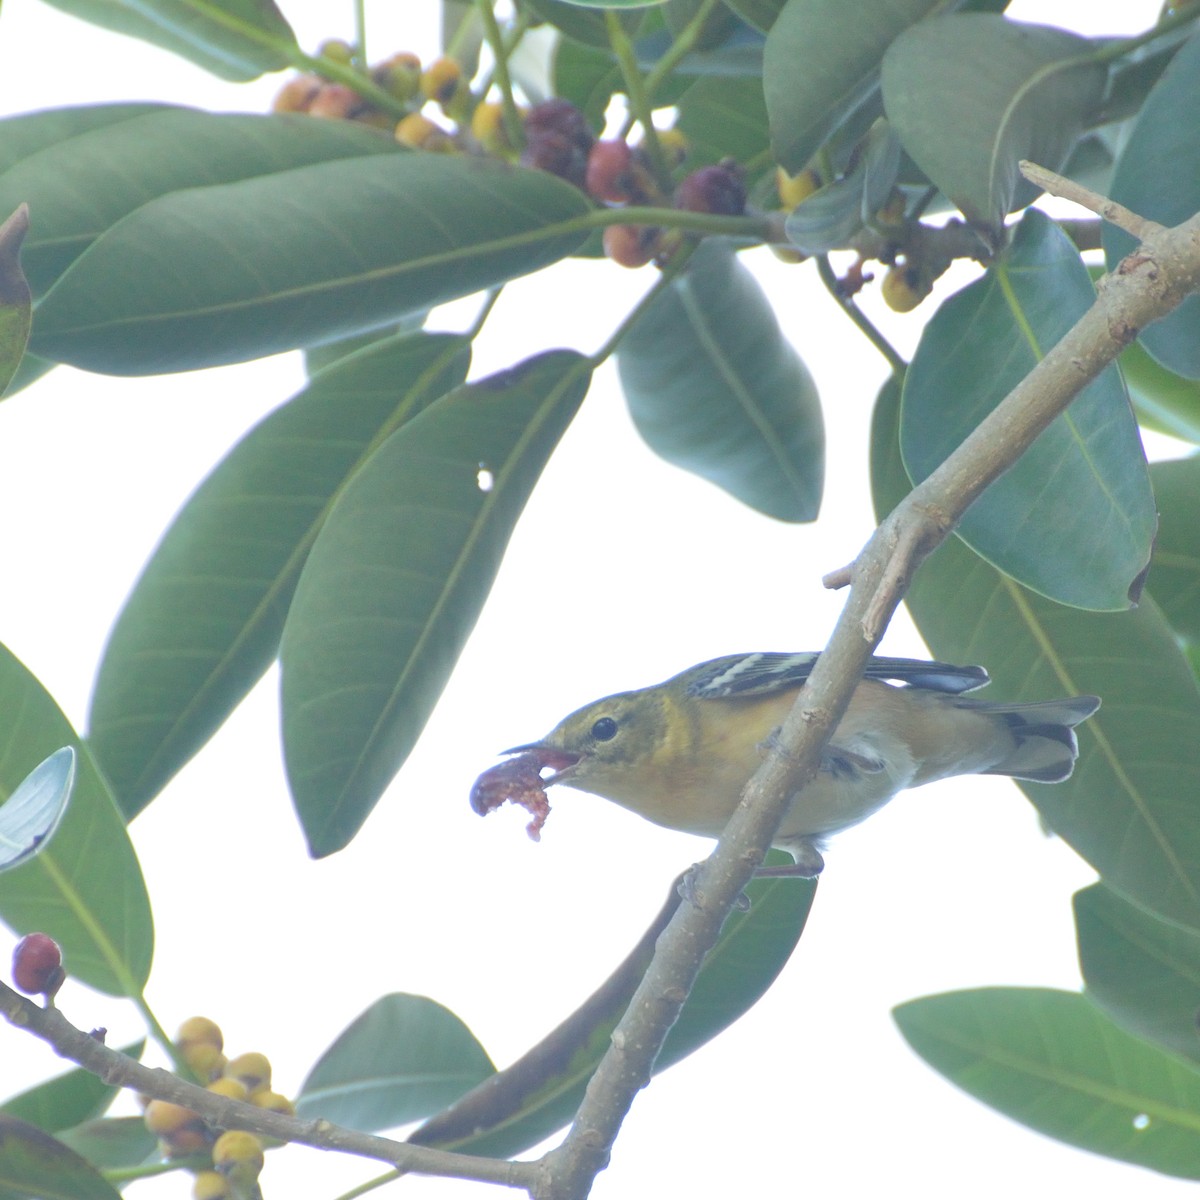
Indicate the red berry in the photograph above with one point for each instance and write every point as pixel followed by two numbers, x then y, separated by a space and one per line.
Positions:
pixel 632 245
pixel 37 965
pixel 718 190
pixel 562 118
pixel 611 173
pixel 556 153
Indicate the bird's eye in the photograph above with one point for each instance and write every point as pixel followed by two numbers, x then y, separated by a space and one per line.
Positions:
pixel 604 729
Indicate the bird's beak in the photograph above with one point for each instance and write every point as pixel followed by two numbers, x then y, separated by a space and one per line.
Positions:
pixel 561 762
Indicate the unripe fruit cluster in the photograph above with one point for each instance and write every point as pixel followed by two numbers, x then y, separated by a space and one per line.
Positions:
pixel 237 1156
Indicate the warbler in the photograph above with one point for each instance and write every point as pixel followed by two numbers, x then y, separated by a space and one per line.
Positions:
pixel 681 752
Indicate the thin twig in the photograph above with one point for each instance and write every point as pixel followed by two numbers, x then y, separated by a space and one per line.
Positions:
pixel 1110 210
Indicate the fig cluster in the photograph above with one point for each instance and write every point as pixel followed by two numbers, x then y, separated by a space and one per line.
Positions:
pixel 235 1156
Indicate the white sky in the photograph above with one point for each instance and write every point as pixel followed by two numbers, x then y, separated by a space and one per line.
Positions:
pixel 623 571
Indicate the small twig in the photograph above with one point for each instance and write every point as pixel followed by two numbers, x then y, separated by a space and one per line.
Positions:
pixel 119 1070
pixel 1110 210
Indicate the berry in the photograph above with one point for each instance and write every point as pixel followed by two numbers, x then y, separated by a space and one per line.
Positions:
pixel 793 189
pixel 631 245
pixel 206 1061
pixel 399 76
pixel 487 127
pixel 903 289
pixel 419 132
pixel 556 153
pixel 440 81
pixel 336 102
pixel 238 1155
pixel 209 1185
pixel 199 1031
pixel 272 1102
pixel 296 95
pixel 612 173
pixel 336 51
pixel 252 1069
pixel 674 145
pixel 230 1088
pixel 37 965
pixel 717 190
pixel 562 118
pixel 167 1119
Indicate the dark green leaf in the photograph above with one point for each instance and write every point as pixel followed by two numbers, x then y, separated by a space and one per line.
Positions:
pixel 203 621
pixel 719 23
pixel 1055 1063
pixel 1175 567
pixel 397 578
pixel 30 816
pixel 1131 808
pixel 33 1164
pixel 1158 177
pixel 85 889
pixel 1145 973
pixel 16 303
pixel 80 186
pixel 1163 401
pixel 403 1059
pixel 1134 74
pixel 237 40
pixel 68 1099
pixel 326 354
pixel 211 275
pixel 821 62
pixel 586 76
pixel 968 128
pixel 830 218
pixel 739 55
pixel 112 1141
pixel 759 13
pixel 714 387
pixel 581 24
pixel 525 1103
pixel 1074 518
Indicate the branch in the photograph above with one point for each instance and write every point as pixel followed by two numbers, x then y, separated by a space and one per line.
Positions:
pixel 117 1069
pixel 1144 287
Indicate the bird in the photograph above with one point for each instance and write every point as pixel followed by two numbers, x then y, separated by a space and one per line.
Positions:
pixel 680 753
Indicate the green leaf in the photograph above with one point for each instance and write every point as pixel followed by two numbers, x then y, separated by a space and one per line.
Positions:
pixel 525 1103
pixel 586 76
pixel 1074 518
pixel 397 578
pixel 31 815
pixel 29 133
pixel 759 13
pixel 402 1059
pixel 203 622
pixel 237 40
pixel 579 23
pixel 68 1099
pixel 33 1164
pixel 1055 1063
pixel 80 186
pixel 714 387
pixel 821 62
pixel 211 275
pixel 1145 973
pixel 112 1142
pixel 1130 807
pixel 1158 177
pixel 968 128
pixel 1175 567
pixel 1163 401
pixel 16 303
pixel 724 118
pixel 85 889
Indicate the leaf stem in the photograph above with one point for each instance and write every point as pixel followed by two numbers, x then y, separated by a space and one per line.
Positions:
pixel 856 314
pixel 639 98
pixel 495 39
pixel 1118 49
pixel 360 34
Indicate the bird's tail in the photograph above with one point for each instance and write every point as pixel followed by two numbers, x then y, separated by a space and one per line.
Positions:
pixel 1044 732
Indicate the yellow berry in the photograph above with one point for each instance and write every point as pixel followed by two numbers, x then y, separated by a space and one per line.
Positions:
pixel 788 254
pixel 487 127
pixel 440 80
pixel 795 188
pixel 674 145
pixel 209 1185
pixel 164 1118
pixel 238 1153
pixel 336 51
pixel 902 289
pixel 206 1060
pixel 399 76
pixel 419 132
pixel 272 1102
pixel 199 1030
pixel 230 1088
pixel 252 1069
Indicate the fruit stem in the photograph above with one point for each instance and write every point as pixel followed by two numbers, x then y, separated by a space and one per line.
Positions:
pixel 639 99
pixel 500 52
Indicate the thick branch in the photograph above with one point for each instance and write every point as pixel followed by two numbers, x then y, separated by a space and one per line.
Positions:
pixel 1146 285
pixel 119 1070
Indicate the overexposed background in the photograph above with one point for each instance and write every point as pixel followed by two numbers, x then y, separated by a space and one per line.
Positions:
pixel 622 572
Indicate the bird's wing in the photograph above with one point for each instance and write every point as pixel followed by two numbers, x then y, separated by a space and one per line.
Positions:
pixel 759 674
